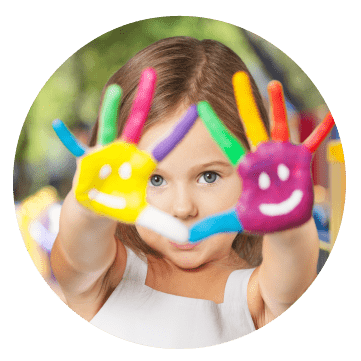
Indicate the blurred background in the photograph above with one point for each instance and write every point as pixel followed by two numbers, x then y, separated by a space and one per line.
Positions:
pixel 43 168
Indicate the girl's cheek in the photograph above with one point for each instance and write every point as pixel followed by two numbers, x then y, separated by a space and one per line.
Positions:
pixel 222 196
pixel 212 202
pixel 148 236
pixel 158 197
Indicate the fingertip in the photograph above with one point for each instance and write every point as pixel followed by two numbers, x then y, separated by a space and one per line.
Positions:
pixel 163 223
pixel 206 111
pixel 194 236
pixel 274 84
pixel 239 76
pixel 114 90
pixel 193 113
pixel 66 137
pixel 149 74
pixel 56 123
pixel 329 119
pixel 202 104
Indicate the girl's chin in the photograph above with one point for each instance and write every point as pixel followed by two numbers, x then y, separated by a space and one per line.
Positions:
pixel 185 259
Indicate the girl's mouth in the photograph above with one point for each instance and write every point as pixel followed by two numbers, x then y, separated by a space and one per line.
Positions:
pixel 183 246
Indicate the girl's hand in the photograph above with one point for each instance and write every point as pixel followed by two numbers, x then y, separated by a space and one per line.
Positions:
pixel 277 189
pixel 112 178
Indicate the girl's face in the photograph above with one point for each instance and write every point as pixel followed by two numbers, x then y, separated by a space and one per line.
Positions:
pixel 194 181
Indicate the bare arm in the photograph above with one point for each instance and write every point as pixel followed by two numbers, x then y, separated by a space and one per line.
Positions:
pixel 288 268
pixel 85 240
pixel 83 252
pixel 87 260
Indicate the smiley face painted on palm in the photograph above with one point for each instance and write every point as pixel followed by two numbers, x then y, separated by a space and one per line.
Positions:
pixel 277 189
pixel 112 179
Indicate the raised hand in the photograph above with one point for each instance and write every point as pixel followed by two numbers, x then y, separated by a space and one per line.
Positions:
pixel 112 179
pixel 277 189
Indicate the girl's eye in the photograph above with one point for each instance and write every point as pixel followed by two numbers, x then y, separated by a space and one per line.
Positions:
pixel 157 181
pixel 208 177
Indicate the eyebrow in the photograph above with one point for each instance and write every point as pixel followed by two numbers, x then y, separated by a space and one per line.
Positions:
pixel 196 167
pixel 214 163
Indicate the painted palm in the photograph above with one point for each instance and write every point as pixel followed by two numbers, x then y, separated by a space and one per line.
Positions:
pixel 112 179
pixel 277 188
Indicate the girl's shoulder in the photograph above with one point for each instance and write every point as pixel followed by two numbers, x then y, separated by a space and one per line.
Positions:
pixel 255 301
pixel 117 270
pixel 88 304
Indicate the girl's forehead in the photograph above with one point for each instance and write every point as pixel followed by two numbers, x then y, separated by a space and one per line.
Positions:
pixel 197 143
pixel 160 130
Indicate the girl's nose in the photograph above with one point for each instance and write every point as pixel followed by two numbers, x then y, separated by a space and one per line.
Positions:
pixel 184 205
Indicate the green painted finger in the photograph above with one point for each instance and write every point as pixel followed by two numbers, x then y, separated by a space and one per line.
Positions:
pixel 109 115
pixel 228 143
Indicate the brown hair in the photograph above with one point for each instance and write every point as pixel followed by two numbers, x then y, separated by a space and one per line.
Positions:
pixel 188 71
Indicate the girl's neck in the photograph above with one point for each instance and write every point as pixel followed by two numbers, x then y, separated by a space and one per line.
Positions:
pixel 230 261
pixel 207 281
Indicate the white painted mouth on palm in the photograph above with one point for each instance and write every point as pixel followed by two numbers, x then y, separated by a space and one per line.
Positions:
pixel 107 200
pixel 285 207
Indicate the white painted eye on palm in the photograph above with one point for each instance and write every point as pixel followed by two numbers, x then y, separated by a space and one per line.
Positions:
pixel 277 189
pixel 112 181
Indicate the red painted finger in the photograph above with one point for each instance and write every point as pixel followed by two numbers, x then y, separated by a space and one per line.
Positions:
pixel 280 130
pixel 319 134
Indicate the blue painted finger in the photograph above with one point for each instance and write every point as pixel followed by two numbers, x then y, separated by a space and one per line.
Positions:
pixel 218 223
pixel 70 142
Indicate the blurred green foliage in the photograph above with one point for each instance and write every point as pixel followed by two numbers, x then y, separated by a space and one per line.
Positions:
pixel 72 93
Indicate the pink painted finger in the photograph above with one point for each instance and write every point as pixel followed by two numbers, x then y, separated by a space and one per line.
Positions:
pixel 319 134
pixel 140 107
pixel 280 131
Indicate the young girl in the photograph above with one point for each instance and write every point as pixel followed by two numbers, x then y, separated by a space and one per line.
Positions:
pixel 143 287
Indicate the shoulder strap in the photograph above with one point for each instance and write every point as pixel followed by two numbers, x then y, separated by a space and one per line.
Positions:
pixel 136 269
pixel 236 286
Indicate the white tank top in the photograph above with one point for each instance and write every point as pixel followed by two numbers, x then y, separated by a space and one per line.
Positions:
pixel 138 313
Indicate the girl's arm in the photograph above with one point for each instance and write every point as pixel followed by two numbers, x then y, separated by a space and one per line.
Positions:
pixel 83 253
pixel 288 268
pixel 110 186
pixel 277 199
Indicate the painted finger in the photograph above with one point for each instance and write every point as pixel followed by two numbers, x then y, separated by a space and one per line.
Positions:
pixel 248 110
pixel 65 136
pixel 165 146
pixel 107 132
pixel 319 134
pixel 228 143
pixel 280 130
pixel 140 107
pixel 218 223
pixel 164 224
